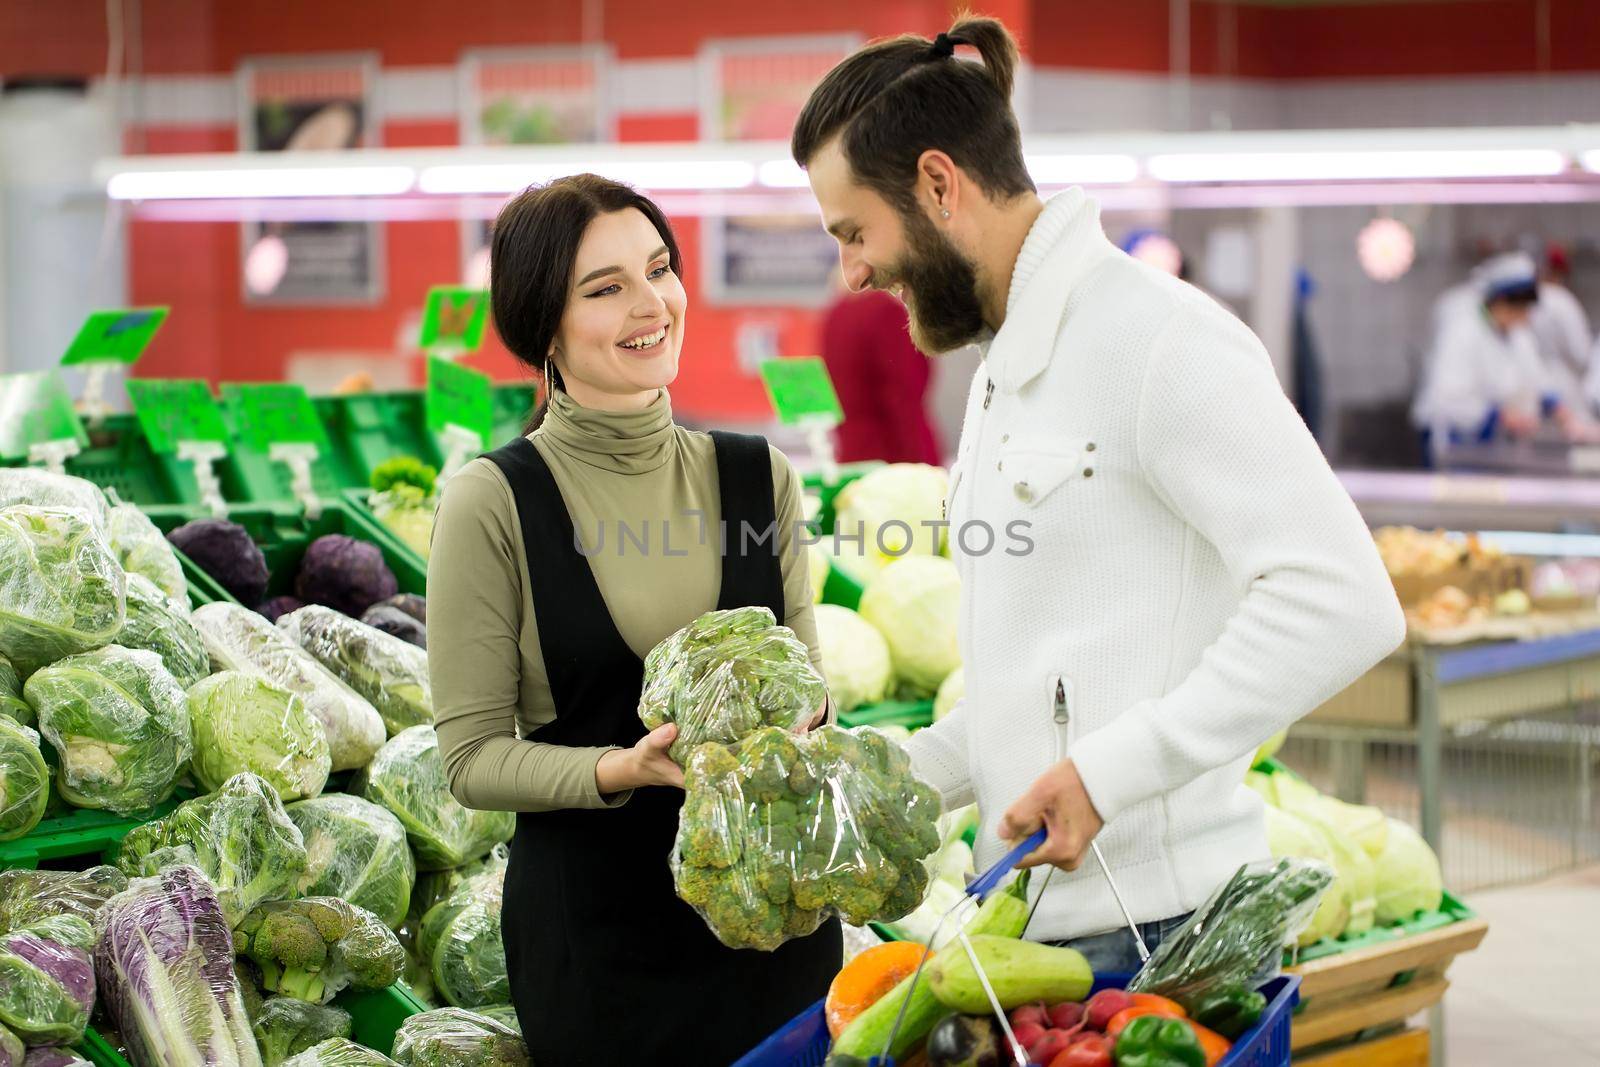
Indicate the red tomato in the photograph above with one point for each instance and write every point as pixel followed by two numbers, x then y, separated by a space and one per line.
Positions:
pixel 1092 1050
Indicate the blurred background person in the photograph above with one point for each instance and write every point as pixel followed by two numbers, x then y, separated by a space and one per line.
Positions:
pixel 1561 328
pixel 881 378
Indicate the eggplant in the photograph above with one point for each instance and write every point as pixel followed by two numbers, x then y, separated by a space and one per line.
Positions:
pixel 965 1041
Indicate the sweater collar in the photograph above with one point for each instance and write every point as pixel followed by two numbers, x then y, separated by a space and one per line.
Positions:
pixel 1064 242
pixel 625 442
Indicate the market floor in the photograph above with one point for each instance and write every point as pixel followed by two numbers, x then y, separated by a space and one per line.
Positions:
pixel 1527 995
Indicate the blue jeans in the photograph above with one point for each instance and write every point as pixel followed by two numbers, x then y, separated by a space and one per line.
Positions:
pixel 1116 953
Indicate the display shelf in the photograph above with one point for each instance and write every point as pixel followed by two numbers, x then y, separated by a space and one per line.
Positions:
pixel 77 833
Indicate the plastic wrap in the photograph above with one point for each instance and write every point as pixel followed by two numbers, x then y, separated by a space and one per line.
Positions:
pixel 452 1037
pixel 357 851
pixel 45 489
pixel 241 640
pixel 339 1052
pixel 61 589
pixel 726 675
pixel 142 550
pixel 286 1027
pixel 461 942
pixel 1236 939
pixel 407 777
pixel 396 623
pixel 47 981
pixel 242 722
pixel 51 1057
pixel 164 962
pixel 504 1014
pixel 29 896
pixel 157 624
pixel 390 673
pixel 311 948
pixel 24 780
pixel 119 723
pixel 12 1050
pixel 781 831
pixel 239 837
pixel 11 703
pixel 434 886
pixel 410 603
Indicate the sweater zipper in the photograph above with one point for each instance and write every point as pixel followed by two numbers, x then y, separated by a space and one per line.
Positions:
pixel 1061 714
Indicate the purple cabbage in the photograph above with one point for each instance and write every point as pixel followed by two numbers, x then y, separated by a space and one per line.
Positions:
pixel 410 603
pixel 225 551
pixel 396 623
pixel 47 981
pixel 165 964
pixel 344 574
pixel 279 606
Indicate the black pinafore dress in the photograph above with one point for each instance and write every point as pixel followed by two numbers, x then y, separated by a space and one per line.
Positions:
pixel 607 966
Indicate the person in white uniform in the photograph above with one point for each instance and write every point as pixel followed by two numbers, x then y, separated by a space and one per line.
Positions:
pixel 1561 328
pixel 1485 378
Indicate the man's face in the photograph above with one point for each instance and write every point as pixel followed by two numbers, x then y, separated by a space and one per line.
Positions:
pixel 1508 315
pixel 906 254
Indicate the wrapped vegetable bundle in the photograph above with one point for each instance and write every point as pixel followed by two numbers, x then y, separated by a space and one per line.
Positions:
pixel 780 831
pixel 164 962
pixel 241 640
pixel 29 896
pixel 45 1056
pixel 239 837
pixel 312 948
pixel 356 851
pixel 119 721
pixel 243 722
pixel 451 1037
pixel 407 777
pixel 47 980
pixel 61 589
pixel 11 703
pixel 286 1027
pixel 461 942
pixel 157 624
pixel 142 550
pixel 726 675
pixel 339 1052
pixel 435 886
pixel 46 489
pixel 24 780
pixel 390 673
pixel 12 1050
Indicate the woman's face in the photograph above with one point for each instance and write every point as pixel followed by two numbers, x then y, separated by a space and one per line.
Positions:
pixel 623 327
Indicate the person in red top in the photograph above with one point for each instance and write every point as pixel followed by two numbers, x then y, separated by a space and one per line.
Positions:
pixel 881 378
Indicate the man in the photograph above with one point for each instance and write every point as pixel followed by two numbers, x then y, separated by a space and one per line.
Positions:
pixel 1197 578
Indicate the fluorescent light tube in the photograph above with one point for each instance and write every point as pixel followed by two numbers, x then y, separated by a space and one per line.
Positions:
pixel 655 174
pixel 1082 169
pixel 1356 165
pixel 265 182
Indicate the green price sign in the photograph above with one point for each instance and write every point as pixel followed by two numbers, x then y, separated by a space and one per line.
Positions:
pixel 801 390
pixel 454 319
pixel 119 335
pixel 459 396
pixel 176 409
pixel 34 409
pixel 272 413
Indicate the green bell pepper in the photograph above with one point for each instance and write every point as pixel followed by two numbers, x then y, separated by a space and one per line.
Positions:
pixel 1156 1041
pixel 1229 1010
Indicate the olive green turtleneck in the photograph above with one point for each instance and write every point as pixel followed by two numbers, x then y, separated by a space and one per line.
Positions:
pixel 490 690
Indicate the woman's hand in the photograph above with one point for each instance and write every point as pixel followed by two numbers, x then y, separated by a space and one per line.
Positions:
pixel 646 763
pixel 821 715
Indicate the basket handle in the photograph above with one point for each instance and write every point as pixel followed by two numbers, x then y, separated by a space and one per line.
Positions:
pixel 985 883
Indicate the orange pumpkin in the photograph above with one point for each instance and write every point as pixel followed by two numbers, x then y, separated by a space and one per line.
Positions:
pixel 865 980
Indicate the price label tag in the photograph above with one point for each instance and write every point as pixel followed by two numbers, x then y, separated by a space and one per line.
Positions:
pixel 35 408
pixel 454 319
pixel 459 396
pixel 801 390
pixel 116 335
pixel 176 409
pixel 269 413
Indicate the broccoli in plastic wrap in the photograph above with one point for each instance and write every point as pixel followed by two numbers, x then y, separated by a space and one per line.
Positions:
pixel 313 947
pixel 726 675
pixel 454 1037
pixel 782 831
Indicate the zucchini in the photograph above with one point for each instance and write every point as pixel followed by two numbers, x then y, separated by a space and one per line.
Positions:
pixel 1019 972
pixel 1004 914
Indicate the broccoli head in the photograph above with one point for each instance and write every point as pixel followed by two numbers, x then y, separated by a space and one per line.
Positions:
pixel 454 1037
pixel 311 948
pixel 286 1027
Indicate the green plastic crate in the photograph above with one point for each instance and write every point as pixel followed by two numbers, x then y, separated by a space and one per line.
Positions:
pixel 77 833
pixel 98 1049
pixel 355 500
pixel 912 714
pixel 283 533
pixel 814 483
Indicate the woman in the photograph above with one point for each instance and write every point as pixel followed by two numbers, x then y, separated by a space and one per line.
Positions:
pixel 558 562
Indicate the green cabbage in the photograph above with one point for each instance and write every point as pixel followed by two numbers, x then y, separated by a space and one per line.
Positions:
pixel 245 723
pixel 11 702
pixel 1292 838
pixel 24 780
pixel 407 777
pixel 817 569
pixel 357 851
pixel 158 624
pixel 119 722
pixel 875 505
pixel 915 602
pixel 1270 747
pixel 951 690
pixel 46 489
pixel 1409 879
pixel 61 589
pixel 855 658
pixel 143 550
pixel 460 938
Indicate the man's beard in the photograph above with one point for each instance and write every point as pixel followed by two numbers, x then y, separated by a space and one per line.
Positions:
pixel 940 289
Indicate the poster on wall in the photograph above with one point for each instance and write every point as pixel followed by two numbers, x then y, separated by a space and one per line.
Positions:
pixel 310 104
pixel 752 90
pixel 529 96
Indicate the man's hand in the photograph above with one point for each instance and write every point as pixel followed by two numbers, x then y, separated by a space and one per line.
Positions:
pixel 1518 423
pixel 1058 802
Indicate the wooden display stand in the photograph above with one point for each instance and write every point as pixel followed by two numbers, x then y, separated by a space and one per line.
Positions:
pixel 1345 996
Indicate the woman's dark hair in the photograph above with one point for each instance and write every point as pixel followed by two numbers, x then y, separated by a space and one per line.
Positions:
pixel 531 256
pixel 897 98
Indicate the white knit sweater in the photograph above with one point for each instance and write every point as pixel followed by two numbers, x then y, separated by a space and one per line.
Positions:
pixel 1198 579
